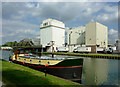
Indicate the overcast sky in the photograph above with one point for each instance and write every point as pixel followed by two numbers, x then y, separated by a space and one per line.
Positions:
pixel 22 19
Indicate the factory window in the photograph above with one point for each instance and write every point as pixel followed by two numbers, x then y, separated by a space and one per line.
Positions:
pixel 98 45
pixel 104 43
pixel 56 48
pixel 45 24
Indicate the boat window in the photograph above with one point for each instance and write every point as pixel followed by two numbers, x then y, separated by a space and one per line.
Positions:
pixel 26 51
pixel 30 61
pixel 39 62
pixel 21 51
pixel 25 60
pixel 48 62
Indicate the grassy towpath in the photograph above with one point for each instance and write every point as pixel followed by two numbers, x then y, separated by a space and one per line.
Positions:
pixel 15 75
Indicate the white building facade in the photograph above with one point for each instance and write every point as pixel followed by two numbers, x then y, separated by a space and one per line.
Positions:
pixel 75 37
pixel 52 30
pixel 96 35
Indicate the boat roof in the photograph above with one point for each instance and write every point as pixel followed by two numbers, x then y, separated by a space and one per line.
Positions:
pixel 47 58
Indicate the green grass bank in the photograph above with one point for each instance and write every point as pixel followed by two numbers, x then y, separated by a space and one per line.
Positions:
pixel 15 75
pixel 104 56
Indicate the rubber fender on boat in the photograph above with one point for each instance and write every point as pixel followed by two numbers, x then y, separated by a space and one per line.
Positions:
pixel 46 65
pixel 23 62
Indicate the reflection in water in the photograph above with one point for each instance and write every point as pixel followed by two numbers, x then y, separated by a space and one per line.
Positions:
pixel 95 71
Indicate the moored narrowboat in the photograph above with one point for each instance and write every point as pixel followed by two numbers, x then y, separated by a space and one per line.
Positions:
pixel 68 68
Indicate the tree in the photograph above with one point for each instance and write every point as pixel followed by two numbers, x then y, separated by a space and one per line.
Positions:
pixel 10 44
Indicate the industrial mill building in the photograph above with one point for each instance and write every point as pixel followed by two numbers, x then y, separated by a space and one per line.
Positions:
pixel 52 31
pixel 96 35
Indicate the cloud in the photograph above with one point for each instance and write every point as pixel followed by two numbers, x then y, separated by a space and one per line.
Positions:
pixel 26 17
pixel 60 0
pixel 37 6
pixel 17 30
pixel 113 34
pixel 12 10
pixel 109 15
pixel 106 17
pixel 30 5
pixel 64 11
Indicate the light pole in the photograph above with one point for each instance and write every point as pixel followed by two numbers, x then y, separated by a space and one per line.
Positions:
pixel 70 39
pixel 52 43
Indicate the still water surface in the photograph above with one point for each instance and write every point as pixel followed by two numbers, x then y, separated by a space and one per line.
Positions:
pixel 95 71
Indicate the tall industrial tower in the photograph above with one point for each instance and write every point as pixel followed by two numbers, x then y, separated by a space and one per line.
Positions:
pixel 52 31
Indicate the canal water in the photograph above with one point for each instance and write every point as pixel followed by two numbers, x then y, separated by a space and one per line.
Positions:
pixel 96 71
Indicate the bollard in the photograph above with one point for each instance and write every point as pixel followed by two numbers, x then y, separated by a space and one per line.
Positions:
pixel 45 72
pixel 46 66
